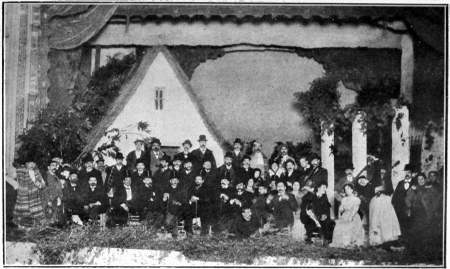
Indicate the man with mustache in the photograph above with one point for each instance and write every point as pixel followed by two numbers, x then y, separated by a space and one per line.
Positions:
pixel 89 171
pixel 187 175
pixel 186 154
pixel 258 158
pixel 318 174
pixel 125 201
pixel 137 177
pixel 283 155
pixel 237 153
pixel 199 206
pixel 156 155
pixel 95 201
pixel 283 205
pixel 399 199
pixel 138 154
pixel 174 201
pixel 290 175
pixel 209 175
pixel 161 176
pixel 73 197
pixel 53 194
pixel 203 154
pixel 228 169
pixel 150 199
pixel 101 167
pixel 245 172
pixel 115 174
pixel 222 212
pixel 242 198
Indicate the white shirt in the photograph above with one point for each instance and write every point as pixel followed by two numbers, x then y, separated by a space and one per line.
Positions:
pixel 259 158
pixel 203 150
pixel 32 175
pixel 237 152
pixel 138 154
pixel 128 190
pixel 407 184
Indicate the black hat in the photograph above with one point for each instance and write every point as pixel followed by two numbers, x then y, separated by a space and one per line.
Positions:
pixel 100 160
pixel 202 173
pixel 140 160
pixel 138 140
pixel 314 156
pixel 173 174
pixel 349 166
pixel 166 158
pixel 408 167
pixel 156 140
pixel 177 158
pixel 349 183
pixel 202 138
pixel 281 181
pixel 187 160
pixel 225 175
pixel 66 168
pixel 187 141
pixel 239 180
pixel 88 158
pixel 119 156
pixel 238 140
pixel 264 184
pixel 73 171
pixel 228 154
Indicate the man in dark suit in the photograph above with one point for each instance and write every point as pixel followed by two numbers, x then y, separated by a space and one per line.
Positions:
pixel 203 154
pixel 95 202
pixel 74 197
pixel 198 206
pixel 150 201
pixel 283 205
pixel 222 211
pixel 245 225
pixel 399 197
pixel 101 167
pixel 177 168
pixel 242 198
pixel 137 177
pixel 162 175
pixel 125 201
pixel 246 172
pixel 228 168
pixel 315 213
pixel 89 171
pixel 318 173
pixel 290 175
pixel 305 170
pixel 187 175
pixel 186 154
pixel 116 173
pixel 237 154
pixel 156 155
pixel 209 176
pixel 139 153
pixel 283 155
pixel 174 203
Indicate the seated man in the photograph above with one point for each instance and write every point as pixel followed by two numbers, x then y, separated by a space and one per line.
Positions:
pixel 283 205
pixel 95 202
pixel 174 203
pixel 241 198
pixel 198 206
pixel 315 213
pixel 161 176
pixel 73 197
pixel 125 201
pixel 150 201
pixel 222 213
pixel 137 177
pixel 245 225
pixel 259 208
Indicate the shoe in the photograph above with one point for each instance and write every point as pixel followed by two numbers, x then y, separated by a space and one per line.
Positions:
pixel 308 241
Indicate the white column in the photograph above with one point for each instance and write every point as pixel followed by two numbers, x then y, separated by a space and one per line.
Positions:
pixel 359 144
pixel 407 67
pixel 328 163
pixel 400 143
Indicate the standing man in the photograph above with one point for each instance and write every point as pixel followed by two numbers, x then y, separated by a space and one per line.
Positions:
pixel 186 154
pixel 203 154
pixel 246 172
pixel 116 173
pixel 228 169
pixel 177 168
pixel 156 155
pixel 89 171
pixel 53 194
pixel 283 205
pixel 399 200
pixel 318 174
pixel 209 176
pixel 101 167
pixel 305 169
pixel 290 175
pixel 137 177
pixel 74 197
pixel 187 175
pixel 283 155
pixel 259 159
pixel 138 153
pixel 237 154
pixel 162 175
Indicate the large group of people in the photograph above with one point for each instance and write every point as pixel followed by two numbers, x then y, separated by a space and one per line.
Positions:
pixel 248 195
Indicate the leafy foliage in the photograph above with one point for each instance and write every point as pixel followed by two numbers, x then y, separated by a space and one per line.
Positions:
pixel 64 133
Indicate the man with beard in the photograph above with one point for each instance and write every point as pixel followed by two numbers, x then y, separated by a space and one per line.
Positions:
pixel 228 168
pixel 139 153
pixel 177 168
pixel 186 154
pixel 305 169
pixel 156 155
pixel 246 172
pixel 53 195
pixel 222 212
pixel 187 175
pixel 290 175
pixel 198 206
pixel 89 171
pixel 74 197
pixel 174 202
pixel 161 176
pixel 259 208
pixel 242 198
pixel 203 154
pixel 209 175
pixel 399 200
pixel 137 177
pixel 101 167
pixel 315 213
pixel 95 202
pixel 283 155
pixel 339 186
pixel 237 154
pixel 116 174
pixel 125 201
pixel 150 200
pixel 283 205
pixel 245 225
pixel 318 174
pixel 259 159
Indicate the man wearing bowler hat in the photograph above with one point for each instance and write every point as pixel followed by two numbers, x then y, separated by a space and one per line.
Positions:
pixel 228 169
pixel 237 153
pixel 139 153
pixel 318 173
pixel 161 176
pixel 186 154
pixel 155 155
pixel 89 171
pixel 399 197
pixel 203 154
pixel 116 173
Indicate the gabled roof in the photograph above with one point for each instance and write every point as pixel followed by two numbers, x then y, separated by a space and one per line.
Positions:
pixel 137 75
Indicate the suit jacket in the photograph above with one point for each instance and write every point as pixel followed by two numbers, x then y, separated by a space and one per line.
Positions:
pixel 120 197
pixel 246 175
pixel 116 176
pixel 237 160
pixel 283 210
pixel 210 179
pixel 200 158
pixel 204 202
pixel 150 198
pixel 221 206
pixel 155 161
pixel 245 197
pixel 295 176
pixel 84 175
pixel 319 205
pixel 161 178
pixel 53 189
pixel 232 172
pixel 132 158
pixel 137 180
pixel 184 157
pixel 304 173
pixel 399 199
pixel 177 201
pixel 319 175
pixel 187 179
pixel 74 197
pixel 98 195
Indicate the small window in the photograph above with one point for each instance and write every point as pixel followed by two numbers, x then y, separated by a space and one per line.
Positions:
pixel 159 98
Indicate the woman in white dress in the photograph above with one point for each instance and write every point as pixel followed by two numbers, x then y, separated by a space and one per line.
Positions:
pixel 383 222
pixel 298 229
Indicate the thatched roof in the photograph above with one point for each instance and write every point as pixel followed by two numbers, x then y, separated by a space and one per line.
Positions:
pixel 136 77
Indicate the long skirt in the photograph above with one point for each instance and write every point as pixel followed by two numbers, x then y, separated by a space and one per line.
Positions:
pixel 348 233
pixel 28 209
pixel 383 225
pixel 298 229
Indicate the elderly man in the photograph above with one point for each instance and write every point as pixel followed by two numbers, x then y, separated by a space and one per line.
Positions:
pixel 156 155
pixel 283 205
pixel 228 168
pixel 203 154
pixel 138 153
pixel 258 158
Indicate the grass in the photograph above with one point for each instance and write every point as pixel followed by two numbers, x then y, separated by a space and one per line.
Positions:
pixel 54 243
